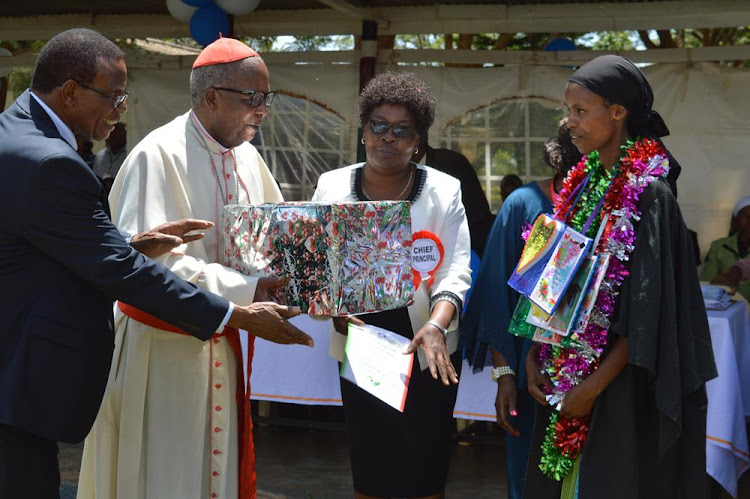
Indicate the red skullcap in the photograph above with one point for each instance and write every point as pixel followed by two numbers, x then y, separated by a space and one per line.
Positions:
pixel 222 51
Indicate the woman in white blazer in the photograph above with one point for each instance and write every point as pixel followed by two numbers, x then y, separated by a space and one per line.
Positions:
pixel 407 454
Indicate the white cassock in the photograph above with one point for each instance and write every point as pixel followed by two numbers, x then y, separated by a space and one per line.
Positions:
pixel 168 425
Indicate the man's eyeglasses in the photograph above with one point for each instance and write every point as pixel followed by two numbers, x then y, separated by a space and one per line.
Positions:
pixel 117 100
pixel 256 96
pixel 400 130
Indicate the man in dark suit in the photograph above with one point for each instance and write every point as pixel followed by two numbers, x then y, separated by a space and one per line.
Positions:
pixel 62 263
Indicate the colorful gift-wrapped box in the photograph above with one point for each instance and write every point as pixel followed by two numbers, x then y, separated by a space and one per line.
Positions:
pixel 344 258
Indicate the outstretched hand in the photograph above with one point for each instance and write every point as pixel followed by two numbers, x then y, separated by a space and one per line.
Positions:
pixel 268 320
pixel 167 236
pixel 432 342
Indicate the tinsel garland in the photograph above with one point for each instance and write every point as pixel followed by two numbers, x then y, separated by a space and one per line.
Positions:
pixel 599 180
pixel 642 162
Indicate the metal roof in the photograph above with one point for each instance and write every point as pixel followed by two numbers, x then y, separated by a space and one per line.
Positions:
pixel 133 7
pixel 42 19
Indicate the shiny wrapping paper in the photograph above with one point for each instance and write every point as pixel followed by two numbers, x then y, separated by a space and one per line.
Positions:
pixel 344 258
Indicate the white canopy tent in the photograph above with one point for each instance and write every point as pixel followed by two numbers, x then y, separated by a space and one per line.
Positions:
pixel 706 107
pixel 313 126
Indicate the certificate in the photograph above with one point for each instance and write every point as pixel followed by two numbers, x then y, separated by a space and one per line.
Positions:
pixel 375 362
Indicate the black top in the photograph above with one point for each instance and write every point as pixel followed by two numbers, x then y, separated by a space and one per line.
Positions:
pixel 416 188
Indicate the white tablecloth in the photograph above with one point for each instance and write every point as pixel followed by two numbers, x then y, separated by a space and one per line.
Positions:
pixel 309 376
pixel 300 375
pixel 296 374
pixel 727 455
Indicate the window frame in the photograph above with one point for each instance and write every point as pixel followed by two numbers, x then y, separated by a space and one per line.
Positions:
pixel 490 138
pixel 308 110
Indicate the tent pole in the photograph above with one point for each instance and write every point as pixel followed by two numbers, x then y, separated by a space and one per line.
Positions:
pixel 367 63
pixel 3 92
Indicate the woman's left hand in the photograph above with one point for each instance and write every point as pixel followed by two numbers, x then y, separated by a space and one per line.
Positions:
pixel 579 401
pixel 432 342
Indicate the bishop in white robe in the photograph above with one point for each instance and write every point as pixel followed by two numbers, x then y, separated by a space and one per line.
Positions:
pixel 175 422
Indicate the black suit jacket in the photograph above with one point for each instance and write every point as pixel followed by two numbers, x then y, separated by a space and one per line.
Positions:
pixel 62 263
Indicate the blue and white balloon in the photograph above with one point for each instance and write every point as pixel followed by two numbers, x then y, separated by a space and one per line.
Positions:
pixel 238 7
pixel 198 3
pixel 207 23
pixel 180 10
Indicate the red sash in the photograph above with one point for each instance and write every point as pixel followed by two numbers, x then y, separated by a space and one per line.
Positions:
pixel 246 446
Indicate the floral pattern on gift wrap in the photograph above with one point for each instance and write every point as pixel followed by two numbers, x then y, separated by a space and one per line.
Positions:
pixel 341 258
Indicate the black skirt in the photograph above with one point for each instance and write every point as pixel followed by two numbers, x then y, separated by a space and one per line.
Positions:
pixel 397 454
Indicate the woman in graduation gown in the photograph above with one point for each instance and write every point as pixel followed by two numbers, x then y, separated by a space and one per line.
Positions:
pixel 646 399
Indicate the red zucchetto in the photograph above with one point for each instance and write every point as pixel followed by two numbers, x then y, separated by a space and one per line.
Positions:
pixel 222 51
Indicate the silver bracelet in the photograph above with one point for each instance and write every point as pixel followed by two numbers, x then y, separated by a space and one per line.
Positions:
pixel 437 326
pixel 498 372
pixel 449 297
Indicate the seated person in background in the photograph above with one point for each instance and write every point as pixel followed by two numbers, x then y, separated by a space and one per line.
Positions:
pixel 728 250
pixel 475 203
pixel 508 184
pixel 739 271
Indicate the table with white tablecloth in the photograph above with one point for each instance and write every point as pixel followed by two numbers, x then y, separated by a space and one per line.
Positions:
pixel 727 455
pixel 310 376
pixel 300 375
pixel 297 374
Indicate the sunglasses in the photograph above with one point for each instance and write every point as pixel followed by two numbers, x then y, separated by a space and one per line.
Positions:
pixel 117 100
pixel 256 96
pixel 399 130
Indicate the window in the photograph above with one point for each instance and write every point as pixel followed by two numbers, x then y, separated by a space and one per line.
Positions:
pixel 505 137
pixel 299 140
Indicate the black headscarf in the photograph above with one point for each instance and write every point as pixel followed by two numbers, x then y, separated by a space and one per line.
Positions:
pixel 619 81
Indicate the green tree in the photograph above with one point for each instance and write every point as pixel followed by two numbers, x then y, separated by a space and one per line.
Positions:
pixel 610 40
pixel 420 41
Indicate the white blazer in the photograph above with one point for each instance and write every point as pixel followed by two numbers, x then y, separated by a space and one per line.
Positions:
pixel 436 207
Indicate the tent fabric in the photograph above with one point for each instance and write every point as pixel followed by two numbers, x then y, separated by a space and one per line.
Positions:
pixel 705 105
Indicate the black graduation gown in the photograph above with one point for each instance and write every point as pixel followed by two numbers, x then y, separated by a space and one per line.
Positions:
pixel 647 433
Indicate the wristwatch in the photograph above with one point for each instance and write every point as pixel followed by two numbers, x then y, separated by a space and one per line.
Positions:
pixel 501 371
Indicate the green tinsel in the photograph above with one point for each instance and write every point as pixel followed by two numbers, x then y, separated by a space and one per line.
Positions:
pixel 599 180
pixel 553 463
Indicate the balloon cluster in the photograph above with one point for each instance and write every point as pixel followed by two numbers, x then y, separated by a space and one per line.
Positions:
pixel 208 18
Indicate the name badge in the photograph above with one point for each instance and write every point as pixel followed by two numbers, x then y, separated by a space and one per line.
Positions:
pixel 426 256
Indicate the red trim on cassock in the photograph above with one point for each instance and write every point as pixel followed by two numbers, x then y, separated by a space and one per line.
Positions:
pixel 246 470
